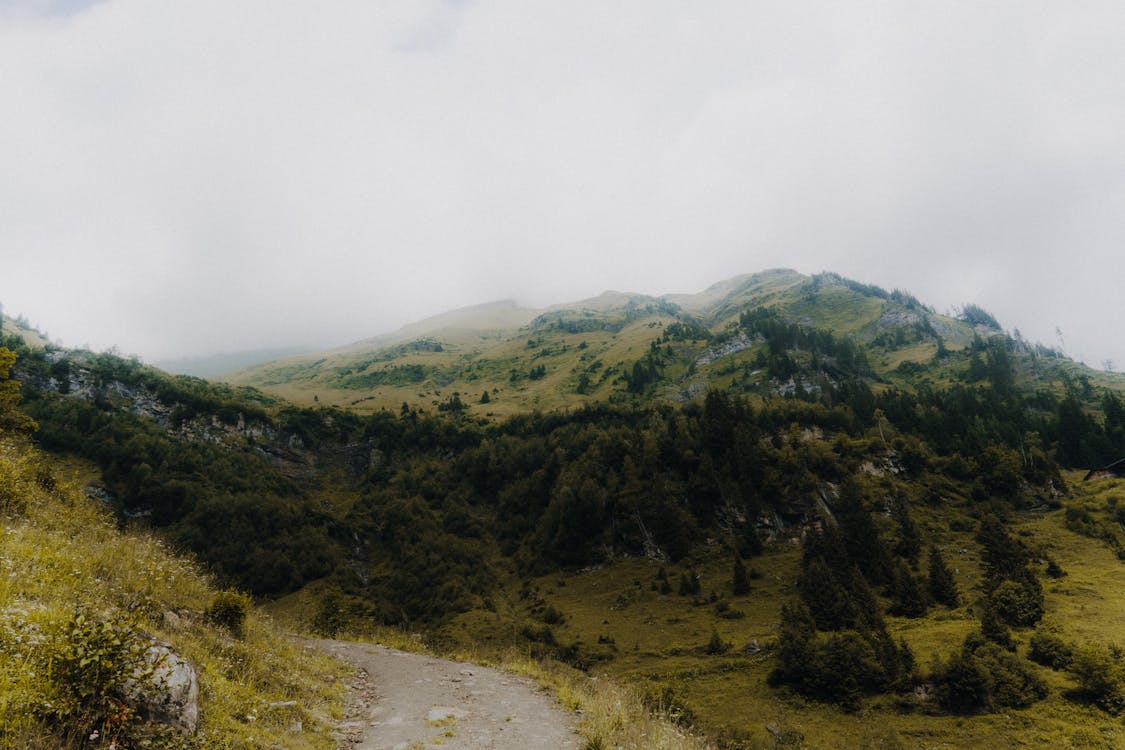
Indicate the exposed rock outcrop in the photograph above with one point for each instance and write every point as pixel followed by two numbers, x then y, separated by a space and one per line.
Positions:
pixel 172 697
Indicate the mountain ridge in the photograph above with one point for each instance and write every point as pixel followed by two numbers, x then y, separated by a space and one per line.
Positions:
pixel 582 352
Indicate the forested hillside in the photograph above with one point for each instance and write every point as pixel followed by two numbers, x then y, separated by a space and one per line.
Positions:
pixel 837 477
pixel 109 639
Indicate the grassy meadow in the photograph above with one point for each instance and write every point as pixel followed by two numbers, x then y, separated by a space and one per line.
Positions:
pixel 657 644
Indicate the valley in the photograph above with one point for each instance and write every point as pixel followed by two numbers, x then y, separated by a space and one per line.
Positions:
pixel 736 503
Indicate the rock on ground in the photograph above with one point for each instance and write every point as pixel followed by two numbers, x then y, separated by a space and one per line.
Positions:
pixel 173 696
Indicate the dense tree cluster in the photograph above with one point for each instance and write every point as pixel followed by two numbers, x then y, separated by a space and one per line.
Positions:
pixel 833 643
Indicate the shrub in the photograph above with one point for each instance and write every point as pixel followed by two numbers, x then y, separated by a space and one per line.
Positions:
pixel 1014 683
pixel 1099 673
pixel 553 616
pixel 95 666
pixel 668 702
pixel 228 610
pixel 1019 603
pixel 1050 650
pixel 330 616
pixel 962 685
pixel 716 646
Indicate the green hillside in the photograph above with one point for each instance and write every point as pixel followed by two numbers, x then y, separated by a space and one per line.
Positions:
pixel 801 503
pixel 81 602
pixel 584 353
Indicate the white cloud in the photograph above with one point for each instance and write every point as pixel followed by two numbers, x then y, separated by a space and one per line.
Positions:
pixel 189 177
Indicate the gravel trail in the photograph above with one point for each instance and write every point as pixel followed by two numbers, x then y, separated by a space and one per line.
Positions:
pixel 400 701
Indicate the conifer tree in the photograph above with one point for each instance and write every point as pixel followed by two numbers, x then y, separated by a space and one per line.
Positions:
pixel 993 627
pixel 860 536
pixel 943 588
pixel 909 599
pixel 795 643
pixel 910 540
pixel 865 606
pixel 826 599
pixel 1004 557
pixel 689 583
pixel 740 583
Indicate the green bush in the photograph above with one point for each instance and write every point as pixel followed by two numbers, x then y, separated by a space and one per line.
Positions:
pixel 330 615
pixel 1050 650
pixel 1100 676
pixel 95 666
pixel 716 646
pixel 1014 683
pixel 962 685
pixel 1019 603
pixel 228 610
pixel 553 616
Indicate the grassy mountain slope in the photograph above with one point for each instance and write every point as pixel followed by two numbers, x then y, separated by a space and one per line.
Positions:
pixel 79 597
pixel 582 353
pixel 822 432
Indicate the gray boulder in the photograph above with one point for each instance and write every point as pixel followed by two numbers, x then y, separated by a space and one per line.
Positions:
pixel 172 695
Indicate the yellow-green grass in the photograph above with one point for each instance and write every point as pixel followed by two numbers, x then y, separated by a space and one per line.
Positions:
pixel 657 641
pixel 921 353
pixel 60 552
pixel 483 365
pixel 30 336
pixel 837 309
pixel 481 346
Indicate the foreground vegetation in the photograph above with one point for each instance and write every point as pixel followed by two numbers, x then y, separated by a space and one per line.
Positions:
pixel 81 602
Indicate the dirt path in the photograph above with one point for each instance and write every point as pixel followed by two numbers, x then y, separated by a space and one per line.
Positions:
pixel 401 701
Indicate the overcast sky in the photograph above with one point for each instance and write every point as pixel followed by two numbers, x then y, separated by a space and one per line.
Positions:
pixel 184 178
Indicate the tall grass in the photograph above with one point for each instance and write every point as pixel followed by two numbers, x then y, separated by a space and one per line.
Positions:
pixel 62 554
pixel 614 715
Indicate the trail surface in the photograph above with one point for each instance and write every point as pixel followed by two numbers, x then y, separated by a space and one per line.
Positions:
pixel 399 701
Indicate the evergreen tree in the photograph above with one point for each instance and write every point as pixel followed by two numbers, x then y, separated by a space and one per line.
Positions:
pixel 740 583
pixel 864 604
pixel 860 536
pixel 909 539
pixel 963 686
pixel 824 596
pixel 795 644
pixel 909 599
pixel 943 587
pixel 1004 557
pixel 716 645
pixel 689 583
pixel 993 627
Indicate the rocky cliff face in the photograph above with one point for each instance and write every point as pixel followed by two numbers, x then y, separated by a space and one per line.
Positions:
pixel 72 375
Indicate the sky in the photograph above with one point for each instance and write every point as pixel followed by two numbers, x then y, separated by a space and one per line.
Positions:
pixel 185 178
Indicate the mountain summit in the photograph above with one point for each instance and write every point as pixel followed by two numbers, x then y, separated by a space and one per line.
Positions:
pixel 500 358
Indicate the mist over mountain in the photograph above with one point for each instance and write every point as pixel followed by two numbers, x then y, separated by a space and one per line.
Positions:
pixel 217 364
